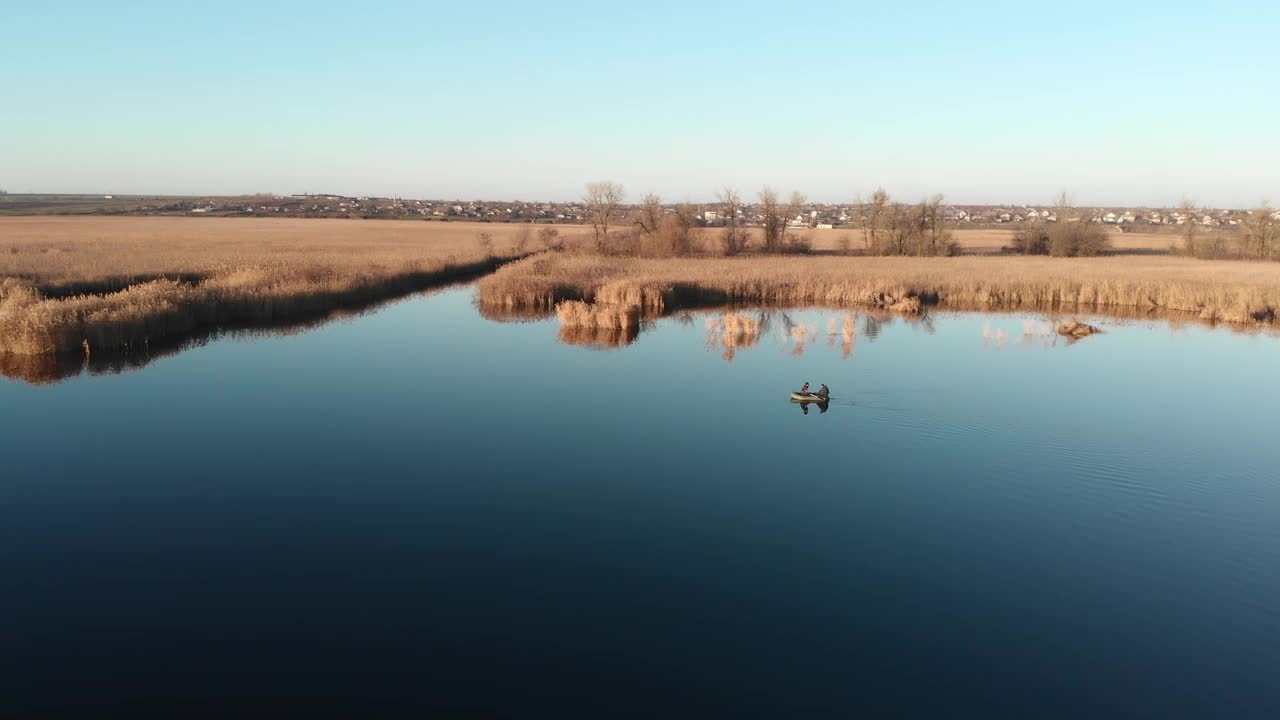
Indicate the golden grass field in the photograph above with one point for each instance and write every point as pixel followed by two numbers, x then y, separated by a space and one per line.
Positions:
pixel 66 252
pixel 990 241
pixel 85 284
pixel 54 252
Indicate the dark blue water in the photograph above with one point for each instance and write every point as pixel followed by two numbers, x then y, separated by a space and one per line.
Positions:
pixel 422 510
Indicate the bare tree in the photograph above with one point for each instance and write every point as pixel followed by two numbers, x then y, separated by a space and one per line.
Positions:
pixel 874 215
pixel 602 200
pixel 795 209
pixel 775 221
pixel 735 238
pixel 934 236
pixel 647 237
pixel 649 217
pixel 1074 236
pixel 1191 228
pixel 776 214
pixel 681 228
pixel 550 238
pixel 1262 233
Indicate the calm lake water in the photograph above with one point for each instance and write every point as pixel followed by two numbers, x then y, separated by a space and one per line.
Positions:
pixel 423 509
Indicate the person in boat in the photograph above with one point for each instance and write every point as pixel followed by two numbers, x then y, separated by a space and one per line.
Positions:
pixel 804 389
pixel 823 391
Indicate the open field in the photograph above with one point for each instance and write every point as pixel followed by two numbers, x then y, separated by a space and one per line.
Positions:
pixel 44 204
pixel 93 254
pixel 618 292
pixel 990 240
pixel 90 284
pixel 63 255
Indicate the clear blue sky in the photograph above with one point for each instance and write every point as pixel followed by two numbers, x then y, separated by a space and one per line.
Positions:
pixel 1117 102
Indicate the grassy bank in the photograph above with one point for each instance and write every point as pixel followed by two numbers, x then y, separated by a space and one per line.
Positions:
pixel 76 285
pixel 161 310
pixel 610 292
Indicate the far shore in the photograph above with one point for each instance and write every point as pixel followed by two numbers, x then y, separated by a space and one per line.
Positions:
pixel 108 284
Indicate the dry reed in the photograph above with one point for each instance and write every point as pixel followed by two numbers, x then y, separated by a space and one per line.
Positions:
pixel 119 284
pixel 1216 291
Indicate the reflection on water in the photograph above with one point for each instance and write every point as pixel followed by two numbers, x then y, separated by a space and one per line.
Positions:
pixel 728 331
pixel 732 331
pixel 49 369
pixel 598 338
pixel 822 407
pixel 437 515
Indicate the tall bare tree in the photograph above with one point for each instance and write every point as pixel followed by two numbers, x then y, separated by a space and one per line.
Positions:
pixel 1191 228
pixel 735 238
pixel 1262 233
pixel 776 214
pixel 935 236
pixel 649 217
pixel 602 200
pixel 874 216
pixel 682 229
pixel 648 220
pixel 775 221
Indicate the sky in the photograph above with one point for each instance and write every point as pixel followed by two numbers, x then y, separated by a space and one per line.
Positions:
pixel 1116 103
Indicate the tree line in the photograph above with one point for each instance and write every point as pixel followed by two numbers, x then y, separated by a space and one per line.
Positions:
pixel 884 226
pixel 654 230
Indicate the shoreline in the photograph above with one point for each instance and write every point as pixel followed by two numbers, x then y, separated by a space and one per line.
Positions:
pixel 171 312
pixel 608 292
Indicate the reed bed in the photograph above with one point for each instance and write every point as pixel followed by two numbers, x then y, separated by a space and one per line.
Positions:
pixel 132 318
pixel 1233 292
pixel 119 284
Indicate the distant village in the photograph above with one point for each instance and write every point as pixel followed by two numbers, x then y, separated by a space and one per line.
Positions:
pixel 813 215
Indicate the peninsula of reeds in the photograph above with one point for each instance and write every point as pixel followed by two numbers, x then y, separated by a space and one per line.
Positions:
pixel 98 284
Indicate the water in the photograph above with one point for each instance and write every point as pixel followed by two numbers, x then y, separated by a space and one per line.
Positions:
pixel 424 510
